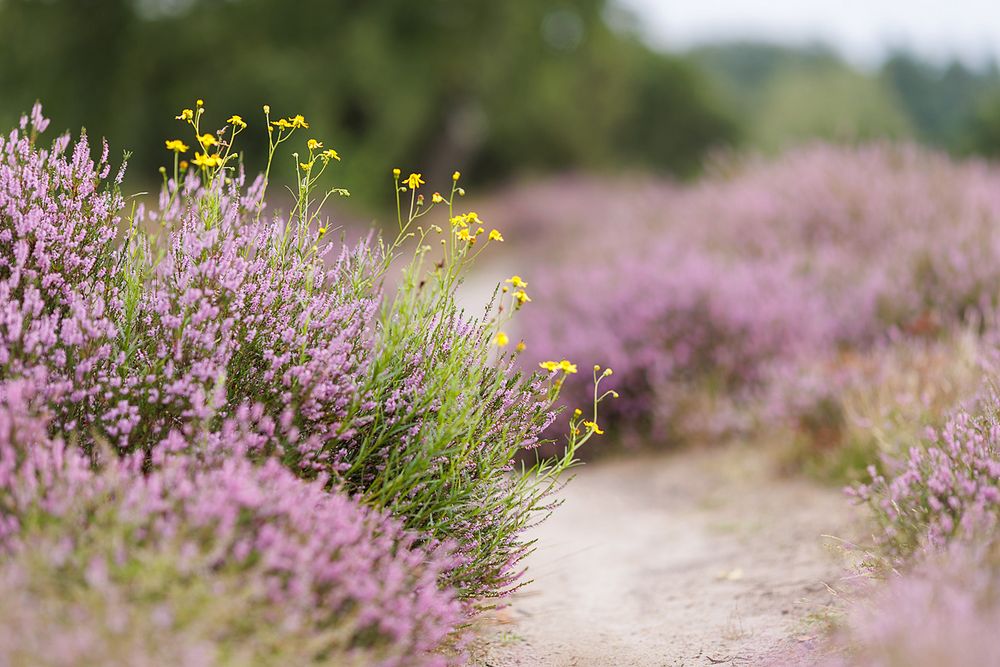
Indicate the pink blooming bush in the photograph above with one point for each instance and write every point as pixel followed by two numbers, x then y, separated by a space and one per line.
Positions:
pixel 722 288
pixel 948 488
pixel 346 580
pixel 227 386
pixel 942 612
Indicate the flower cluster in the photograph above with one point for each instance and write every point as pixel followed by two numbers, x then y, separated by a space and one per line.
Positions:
pixel 704 293
pixel 121 543
pixel 947 488
pixel 224 393
pixel 943 612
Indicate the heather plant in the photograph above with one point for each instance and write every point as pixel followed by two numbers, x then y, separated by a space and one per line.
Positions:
pixel 856 408
pixel 943 611
pixel 710 294
pixel 236 563
pixel 207 308
pixel 948 488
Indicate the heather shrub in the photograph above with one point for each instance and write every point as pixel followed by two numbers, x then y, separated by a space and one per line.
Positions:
pixel 942 612
pixel 206 311
pixel 947 488
pixel 724 288
pixel 232 562
pixel 843 413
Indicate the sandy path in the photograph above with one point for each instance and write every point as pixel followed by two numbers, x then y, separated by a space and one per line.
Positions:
pixel 696 559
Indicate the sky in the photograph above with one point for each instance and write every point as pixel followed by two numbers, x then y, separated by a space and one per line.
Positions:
pixel 861 30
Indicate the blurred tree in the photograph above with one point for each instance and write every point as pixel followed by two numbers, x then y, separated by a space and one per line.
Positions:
pixel 941 101
pixel 788 94
pixel 830 102
pixel 493 87
pixel 984 131
pixel 793 94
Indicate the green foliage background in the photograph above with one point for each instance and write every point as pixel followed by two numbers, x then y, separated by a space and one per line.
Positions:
pixel 491 88
pixel 488 87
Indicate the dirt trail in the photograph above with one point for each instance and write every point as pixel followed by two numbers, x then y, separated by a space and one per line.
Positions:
pixel 696 559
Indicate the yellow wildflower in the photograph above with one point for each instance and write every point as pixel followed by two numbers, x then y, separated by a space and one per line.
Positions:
pixel 306 166
pixel 577 412
pixel 186 114
pixel 414 181
pixel 516 281
pixel 520 346
pixel 551 366
pixel 237 121
pixel 200 103
pixel 396 172
pixel 267 108
pixel 523 298
pixel 457 175
pixel 312 144
pixel 437 198
pixel 463 234
pixel 501 339
pixel 204 160
pixel 459 221
pixel 330 154
pixel 298 121
pixel 281 123
pixel 322 231
pixel 593 427
pixel 495 236
pixel 207 140
pixel 567 367
pixel 176 145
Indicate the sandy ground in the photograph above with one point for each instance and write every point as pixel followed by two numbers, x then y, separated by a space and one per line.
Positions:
pixel 701 558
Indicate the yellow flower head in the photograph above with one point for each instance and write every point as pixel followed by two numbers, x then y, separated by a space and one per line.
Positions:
pixel 414 181
pixel 267 108
pixel 457 175
pixel 396 172
pixel 459 221
pixel 437 198
pixel 205 160
pixel 520 346
pixel 306 166
pixel 495 236
pixel 523 298
pixel 237 121
pixel 593 427
pixel 298 121
pixel 312 144
pixel 186 114
pixel 567 367
pixel 551 366
pixel 501 339
pixel 207 140
pixel 516 281
pixel 330 154
pixel 577 412
pixel 282 123
pixel 463 234
pixel 176 145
